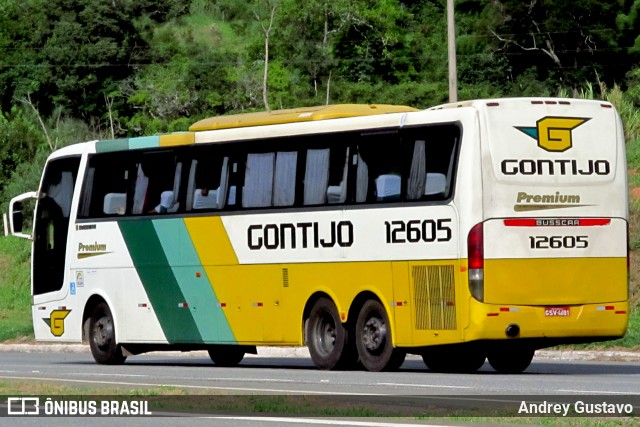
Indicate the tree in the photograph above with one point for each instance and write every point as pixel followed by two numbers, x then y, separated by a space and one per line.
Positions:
pixel 267 32
pixel 566 40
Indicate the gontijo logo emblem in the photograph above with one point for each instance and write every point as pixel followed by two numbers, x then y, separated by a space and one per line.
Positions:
pixel 553 133
pixel 56 321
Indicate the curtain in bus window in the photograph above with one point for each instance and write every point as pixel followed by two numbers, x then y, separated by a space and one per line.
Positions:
pixel 140 192
pixel 87 193
pixel 447 190
pixel 362 181
pixel 191 185
pixel 221 194
pixel 417 174
pixel 258 180
pixel 176 188
pixel 284 184
pixel 316 176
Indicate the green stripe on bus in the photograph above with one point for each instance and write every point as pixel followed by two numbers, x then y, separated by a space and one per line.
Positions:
pixel 159 282
pixel 185 264
pixel 112 145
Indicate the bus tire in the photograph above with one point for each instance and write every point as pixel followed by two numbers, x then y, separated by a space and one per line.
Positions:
pixel 226 356
pixel 102 337
pixel 454 360
pixel 373 339
pixel 511 360
pixel 327 335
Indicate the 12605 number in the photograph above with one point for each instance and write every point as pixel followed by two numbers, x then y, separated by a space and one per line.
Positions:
pixel 558 242
pixel 428 230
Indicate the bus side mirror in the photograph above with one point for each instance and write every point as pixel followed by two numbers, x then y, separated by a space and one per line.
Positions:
pixel 17 218
pixel 15 214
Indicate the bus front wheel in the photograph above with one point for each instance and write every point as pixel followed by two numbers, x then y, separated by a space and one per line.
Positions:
pixel 226 356
pixel 102 337
pixel 510 360
pixel 327 336
pixel 373 339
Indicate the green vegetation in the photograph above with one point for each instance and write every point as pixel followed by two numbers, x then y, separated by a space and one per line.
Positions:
pixel 15 299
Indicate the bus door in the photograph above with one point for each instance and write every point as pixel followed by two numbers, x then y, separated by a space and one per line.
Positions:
pixel 51 229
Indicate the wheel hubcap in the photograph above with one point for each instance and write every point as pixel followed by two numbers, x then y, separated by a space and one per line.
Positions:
pixel 375 334
pixel 103 331
pixel 327 334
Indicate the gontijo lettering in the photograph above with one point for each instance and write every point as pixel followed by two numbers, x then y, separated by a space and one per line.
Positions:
pixel 303 234
pixel 554 167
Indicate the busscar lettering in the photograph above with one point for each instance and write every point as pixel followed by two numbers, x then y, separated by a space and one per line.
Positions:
pixel 554 167
pixel 301 235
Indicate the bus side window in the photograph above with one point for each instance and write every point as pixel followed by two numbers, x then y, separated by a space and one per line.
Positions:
pixel 270 179
pixel 338 173
pixel 432 162
pixel 106 187
pixel 208 181
pixel 379 169
pixel 157 183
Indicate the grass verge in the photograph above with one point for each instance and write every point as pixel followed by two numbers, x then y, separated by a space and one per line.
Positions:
pixel 15 293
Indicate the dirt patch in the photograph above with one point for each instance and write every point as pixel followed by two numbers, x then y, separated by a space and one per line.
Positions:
pixel 635 193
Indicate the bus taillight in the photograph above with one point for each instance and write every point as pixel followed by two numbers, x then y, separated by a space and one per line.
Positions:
pixel 475 249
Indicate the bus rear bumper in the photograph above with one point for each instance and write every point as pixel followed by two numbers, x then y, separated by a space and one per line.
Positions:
pixel 575 323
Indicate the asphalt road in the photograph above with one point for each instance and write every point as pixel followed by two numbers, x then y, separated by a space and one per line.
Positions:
pixel 296 376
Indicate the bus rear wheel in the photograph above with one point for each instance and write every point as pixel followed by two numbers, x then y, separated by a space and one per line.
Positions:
pixel 454 360
pixel 511 360
pixel 102 337
pixel 327 336
pixel 373 339
pixel 226 356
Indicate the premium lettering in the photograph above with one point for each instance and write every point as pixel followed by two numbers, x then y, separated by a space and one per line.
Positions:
pixel 92 247
pixel 548 198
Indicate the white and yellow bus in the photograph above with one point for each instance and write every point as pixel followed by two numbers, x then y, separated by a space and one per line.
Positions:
pixel 477 230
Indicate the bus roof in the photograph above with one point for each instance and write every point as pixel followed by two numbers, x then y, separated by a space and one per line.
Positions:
pixel 294 115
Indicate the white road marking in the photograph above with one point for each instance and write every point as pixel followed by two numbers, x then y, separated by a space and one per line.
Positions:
pixel 271 380
pixel 425 385
pixel 107 375
pixel 597 392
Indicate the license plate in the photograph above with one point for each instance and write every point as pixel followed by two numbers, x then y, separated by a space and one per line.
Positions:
pixel 556 311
